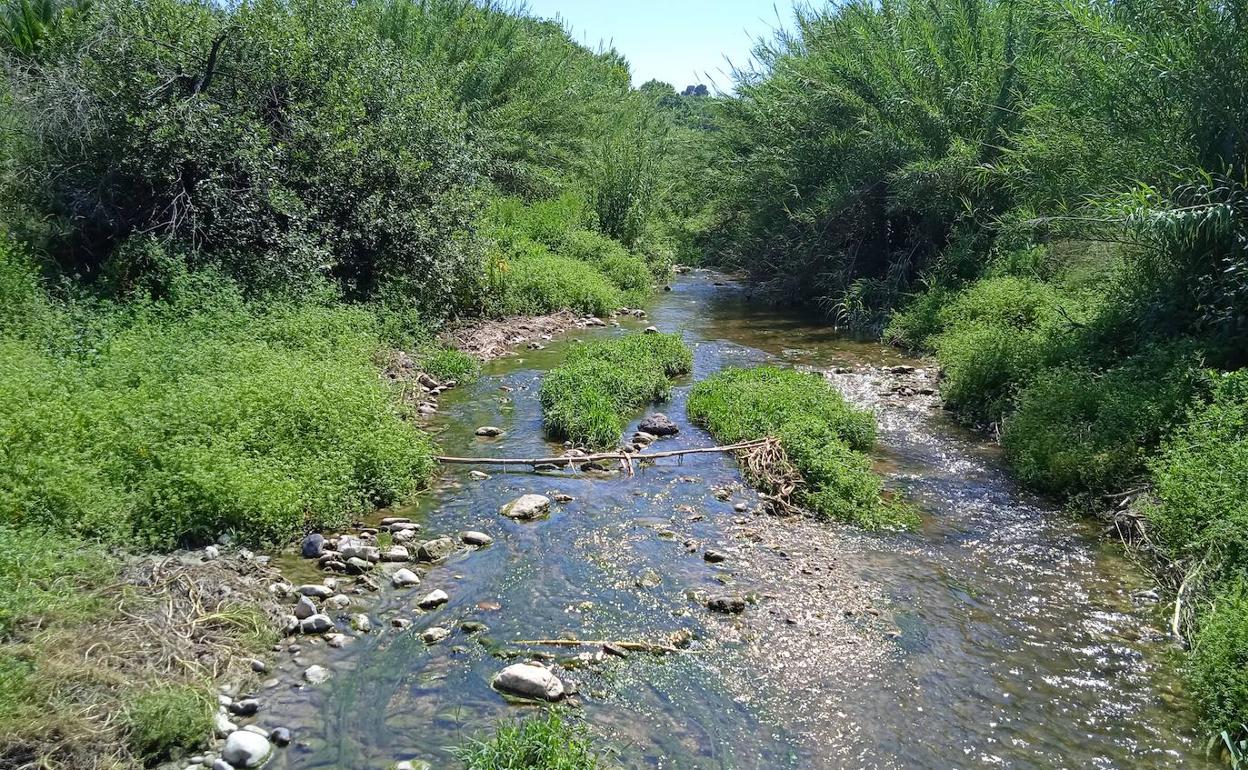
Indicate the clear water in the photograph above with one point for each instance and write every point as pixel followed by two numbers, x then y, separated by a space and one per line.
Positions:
pixel 1004 633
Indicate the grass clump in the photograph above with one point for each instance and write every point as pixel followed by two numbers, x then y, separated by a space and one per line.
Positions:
pixel 823 439
pixel 1217 668
pixel 589 397
pixel 548 742
pixel 168 719
pixel 540 282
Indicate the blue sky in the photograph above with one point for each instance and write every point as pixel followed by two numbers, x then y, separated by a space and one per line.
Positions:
pixel 672 40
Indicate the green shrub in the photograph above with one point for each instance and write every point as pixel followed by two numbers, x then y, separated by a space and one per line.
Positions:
pixel 541 282
pixel 1217 667
pixel 170 427
pixel 823 437
pixel 1200 481
pixel 549 742
pixel 914 326
pixel 587 399
pixel 1077 430
pixel 162 721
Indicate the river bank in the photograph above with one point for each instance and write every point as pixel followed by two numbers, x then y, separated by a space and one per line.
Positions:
pixel 1002 623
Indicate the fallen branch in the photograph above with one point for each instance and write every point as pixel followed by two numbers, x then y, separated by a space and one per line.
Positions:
pixel 624 456
pixel 649 647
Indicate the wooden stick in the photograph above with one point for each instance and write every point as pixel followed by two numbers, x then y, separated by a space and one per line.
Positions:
pixel 631 646
pixel 604 456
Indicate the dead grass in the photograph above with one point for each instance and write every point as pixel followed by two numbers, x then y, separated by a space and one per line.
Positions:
pixel 163 623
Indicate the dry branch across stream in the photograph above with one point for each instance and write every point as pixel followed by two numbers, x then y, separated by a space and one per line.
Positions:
pixel 621 456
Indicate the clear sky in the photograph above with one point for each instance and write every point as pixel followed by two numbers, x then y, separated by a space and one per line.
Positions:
pixel 679 41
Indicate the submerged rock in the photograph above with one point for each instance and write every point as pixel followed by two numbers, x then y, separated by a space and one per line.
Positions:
pixel 489 431
pixel 729 605
pixel 246 749
pixel 658 424
pixel 315 675
pixel 478 475
pixel 434 635
pixel 528 681
pixel 527 507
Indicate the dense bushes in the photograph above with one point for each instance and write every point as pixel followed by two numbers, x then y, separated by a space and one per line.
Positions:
pixel 588 398
pixel 823 437
pixel 156 425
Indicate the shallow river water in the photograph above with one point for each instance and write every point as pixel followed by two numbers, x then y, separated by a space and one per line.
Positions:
pixel 1002 633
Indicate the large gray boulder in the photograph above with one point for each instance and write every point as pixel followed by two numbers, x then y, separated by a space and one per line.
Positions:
pixel 528 681
pixel 436 550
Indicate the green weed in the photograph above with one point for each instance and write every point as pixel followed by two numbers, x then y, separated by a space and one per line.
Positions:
pixel 169 719
pixel 823 437
pixel 589 397
pixel 548 742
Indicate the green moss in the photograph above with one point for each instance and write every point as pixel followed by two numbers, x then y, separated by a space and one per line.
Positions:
pixel 589 397
pixel 548 742
pixel 823 437
pixel 163 722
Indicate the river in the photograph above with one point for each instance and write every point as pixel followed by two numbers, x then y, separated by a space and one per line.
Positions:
pixel 1003 633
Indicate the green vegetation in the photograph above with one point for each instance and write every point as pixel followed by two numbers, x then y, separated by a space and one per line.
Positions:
pixel 589 397
pixel 168 718
pixel 1054 195
pixel 548 742
pixel 824 440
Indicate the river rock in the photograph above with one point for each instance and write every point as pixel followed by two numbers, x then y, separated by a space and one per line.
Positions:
pixel 404 536
pixel 247 707
pixel 528 681
pixel 222 725
pixel 280 736
pixel 316 591
pixel 527 507
pixel 434 635
pixel 396 553
pixel 729 605
pixel 658 424
pixel 434 599
pixel 358 566
pixel 713 557
pixel 478 475
pixel 337 641
pixel 644 439
pixel 388 520
pixel 436 549
pixel 357 550
pixel 246 749
pixel 489 431
pixel 304 608
pixel 315 675
pixel 317 624
pixel 477 539
pixel 313 546
pixel 361 623
pixel 339 601
pixel 404 578
pixel 652 330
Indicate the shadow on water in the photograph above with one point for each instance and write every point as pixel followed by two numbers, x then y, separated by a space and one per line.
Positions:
pixel 1003 633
